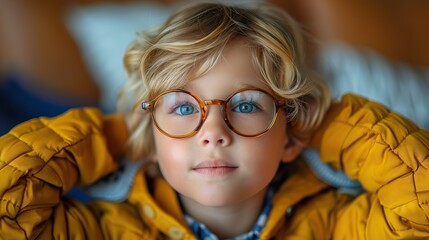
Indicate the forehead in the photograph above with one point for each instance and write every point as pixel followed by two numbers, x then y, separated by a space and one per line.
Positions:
pixel 235 69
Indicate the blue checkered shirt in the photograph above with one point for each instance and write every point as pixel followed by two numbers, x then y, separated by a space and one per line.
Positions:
pixel 202 232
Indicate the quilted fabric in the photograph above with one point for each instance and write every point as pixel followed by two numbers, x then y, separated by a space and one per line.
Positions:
pixel 42 159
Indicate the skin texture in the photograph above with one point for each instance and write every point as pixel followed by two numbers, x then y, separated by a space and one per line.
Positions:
pixel 227 202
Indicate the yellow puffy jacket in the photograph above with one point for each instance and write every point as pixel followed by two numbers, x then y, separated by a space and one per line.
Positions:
pixel 40 160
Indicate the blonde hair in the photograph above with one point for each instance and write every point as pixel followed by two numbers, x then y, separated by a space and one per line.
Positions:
pixel 189 44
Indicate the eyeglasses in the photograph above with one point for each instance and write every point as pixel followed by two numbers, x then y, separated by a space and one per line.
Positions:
pixel 249 112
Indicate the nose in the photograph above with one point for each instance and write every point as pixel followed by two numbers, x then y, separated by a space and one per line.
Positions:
pixel 214 131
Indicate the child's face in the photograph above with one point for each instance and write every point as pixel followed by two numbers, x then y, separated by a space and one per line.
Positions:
pixel 217 167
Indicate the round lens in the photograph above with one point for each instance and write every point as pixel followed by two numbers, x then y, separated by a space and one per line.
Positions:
pixel 251 112
pixel 177 113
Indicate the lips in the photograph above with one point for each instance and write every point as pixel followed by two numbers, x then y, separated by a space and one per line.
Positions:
pixel 214 167
pixel 214 164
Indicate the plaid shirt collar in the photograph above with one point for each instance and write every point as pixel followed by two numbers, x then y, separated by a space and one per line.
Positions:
pixel 202 232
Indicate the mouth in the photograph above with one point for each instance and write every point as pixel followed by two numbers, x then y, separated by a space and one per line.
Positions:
pixel 214 167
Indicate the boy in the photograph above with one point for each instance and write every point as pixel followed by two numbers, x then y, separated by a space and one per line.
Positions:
pixel 228 106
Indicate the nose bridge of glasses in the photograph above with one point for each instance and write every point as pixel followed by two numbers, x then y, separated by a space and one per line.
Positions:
pixel 214 102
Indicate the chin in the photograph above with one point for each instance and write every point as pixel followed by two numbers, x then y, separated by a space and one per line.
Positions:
pixel 214 203
pixel 217 199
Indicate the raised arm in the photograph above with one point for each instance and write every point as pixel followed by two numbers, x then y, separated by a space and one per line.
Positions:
pixel 40 160
pixel 389 155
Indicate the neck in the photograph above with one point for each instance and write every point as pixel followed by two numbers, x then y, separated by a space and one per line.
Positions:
pixel 227 221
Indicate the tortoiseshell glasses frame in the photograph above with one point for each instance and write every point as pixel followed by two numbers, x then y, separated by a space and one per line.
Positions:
pixel 277 103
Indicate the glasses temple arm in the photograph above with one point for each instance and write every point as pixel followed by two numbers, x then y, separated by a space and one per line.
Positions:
pixel 146 105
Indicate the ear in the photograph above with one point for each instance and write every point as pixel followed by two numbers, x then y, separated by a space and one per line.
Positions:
pixel 292 150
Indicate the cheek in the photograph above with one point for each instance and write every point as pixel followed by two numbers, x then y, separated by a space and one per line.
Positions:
pixel 272 144
pixel 166 148
pixel 263 154
pixel 171 157
pixel 269 148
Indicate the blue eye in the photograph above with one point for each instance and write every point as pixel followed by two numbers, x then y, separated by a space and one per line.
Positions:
pixel 245 108
pixel 185 109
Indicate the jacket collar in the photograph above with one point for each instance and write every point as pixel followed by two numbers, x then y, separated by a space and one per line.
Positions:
pixel 299 184
pixel 161 208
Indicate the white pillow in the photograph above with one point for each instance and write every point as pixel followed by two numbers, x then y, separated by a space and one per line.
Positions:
pixel 403 88
pixel 103 32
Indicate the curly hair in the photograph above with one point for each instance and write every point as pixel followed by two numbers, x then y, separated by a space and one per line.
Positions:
pixel 190 43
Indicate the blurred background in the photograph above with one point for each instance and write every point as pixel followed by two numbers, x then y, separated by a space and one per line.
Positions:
pixel 55 55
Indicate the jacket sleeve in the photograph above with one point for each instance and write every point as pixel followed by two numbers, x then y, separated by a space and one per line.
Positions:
pixel 389 155
pixel 42 159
